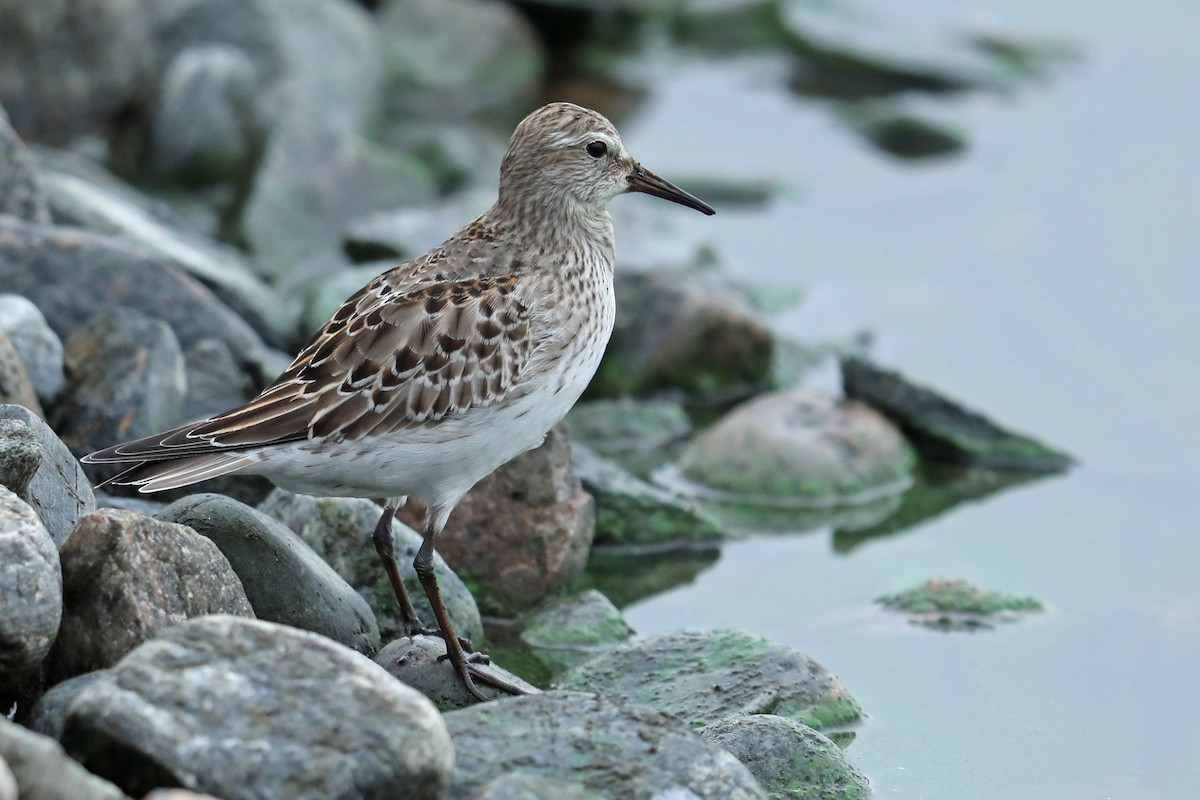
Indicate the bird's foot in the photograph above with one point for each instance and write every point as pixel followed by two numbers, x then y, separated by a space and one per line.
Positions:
pixel 463 642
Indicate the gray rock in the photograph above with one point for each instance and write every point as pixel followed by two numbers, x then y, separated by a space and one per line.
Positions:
pixel 524 531
pixel 797 448
pixel 675 330
pixel 705 676
pixel 139 503
pixel 401 233
pixel 126 577
pixel 570 630
pixel 50 713
pixel 324 293
pixel 44 772
pixel 285 580
pixel 453 58
pixel 20 193
pixel 215 382
pixel 420 662
pixel 243 25
pixel 31 589
pixel 613 749
pixel 126 381
pixel 943 430
pixel 339 529
pixel 622 425
pixel 630 511
pixel 20 455
pixel 72 275
pixel 206 127
pixel 8 782
pixel 59 491
pixel 67 68
pixel 39 347
pixel 529 786
pixel 245 709
pixel 177 794
pixel 15 386
pixel 790 760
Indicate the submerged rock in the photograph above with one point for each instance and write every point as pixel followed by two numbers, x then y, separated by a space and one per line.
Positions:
pixel 31 589
pixel 610 747
pixel 943 430
pixel 248 709
pixel 420 662
pixel 705 676
pixel 955 605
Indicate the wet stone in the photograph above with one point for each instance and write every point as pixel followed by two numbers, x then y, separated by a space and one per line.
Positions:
pixel 705 676
pixel 285 580
pixel 38 347
pixel 420 662
pixel 339 529
pixel 790 760
pixel 244 709
pixel 570 630
pixel 614 749
pixel 521 785
pixel 43 771
pixel 58 491
pixel 955 605
pixel 31 589
pixel 126 577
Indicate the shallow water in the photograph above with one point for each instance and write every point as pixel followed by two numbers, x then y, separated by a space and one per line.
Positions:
pixel 1050 276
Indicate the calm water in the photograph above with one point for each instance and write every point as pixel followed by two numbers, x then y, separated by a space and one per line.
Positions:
pixel 1050 276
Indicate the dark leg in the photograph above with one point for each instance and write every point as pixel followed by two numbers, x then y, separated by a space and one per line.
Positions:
pixel 464 663
pixel 382 537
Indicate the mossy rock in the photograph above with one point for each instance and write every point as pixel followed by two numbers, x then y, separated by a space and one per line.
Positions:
pixel 954 604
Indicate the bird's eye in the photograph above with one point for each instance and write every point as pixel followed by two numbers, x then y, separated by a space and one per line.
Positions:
pixel 597 149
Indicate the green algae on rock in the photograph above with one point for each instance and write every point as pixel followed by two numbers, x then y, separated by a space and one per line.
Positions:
pixel 955 605
pixel 705 676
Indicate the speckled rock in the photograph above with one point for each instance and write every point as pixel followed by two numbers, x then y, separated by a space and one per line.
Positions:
pixel 126 577
pixel 790 760
pixel 521 785
pixel 801 449
pixel 59 491
pixel 20 193
pixel 245 709
pixel 31 589
pixel 40 349
pixel 284 579
pixel 524 531
pixel 15 386
pixel 705 676
pixel 570 630
pixel 20 455
pixel 943 430
pixel 44 772
pixel 420 662
pixel 630 511
pixel 613 749
pixel 50 713
pixel 126 381
pixel 339 529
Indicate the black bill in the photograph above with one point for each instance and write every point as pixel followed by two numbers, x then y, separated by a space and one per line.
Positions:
pixel 643 180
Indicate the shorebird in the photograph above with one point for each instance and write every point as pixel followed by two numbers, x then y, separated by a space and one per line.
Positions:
pixel 443 368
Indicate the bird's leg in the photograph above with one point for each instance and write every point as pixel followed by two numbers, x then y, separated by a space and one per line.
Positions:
pixel 382 537
pixel 463 662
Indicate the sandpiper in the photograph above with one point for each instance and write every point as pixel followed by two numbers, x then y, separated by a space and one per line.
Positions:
pixel 442 368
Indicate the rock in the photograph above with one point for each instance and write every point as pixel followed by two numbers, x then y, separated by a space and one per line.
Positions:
pixel 705 676
pixel 621 425
pixel 524 531
pixel 139 503
pixel 673 331
pixel 955 605
pixel 8 782
pixel 613 749
pixel 126 380
pixel 69 68
pixel 453 58
pixel 797 448
pixel 86 196
pixel 206 127
pixel 247 709
pixel 50 713
pixel 242 25
pixel 44 772
pixel 420 662
pixel 31 589
pixel 905 135
pixel 15 386
pixel 20 192
pixel 630 511
pixel 325 293
pixel 177 794
pixel 943 430
pixel 521 785
pixel 126 577
pixel 215 382
pixel 402 233
pixel 790 760
pixel 59 491
pixel 284 579
pixel 20 455
pixel 570 630
pixel 71 275
pixel 39 348
pixel 339 529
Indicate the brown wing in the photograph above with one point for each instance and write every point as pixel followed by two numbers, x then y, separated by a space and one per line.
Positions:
pixel 388 360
